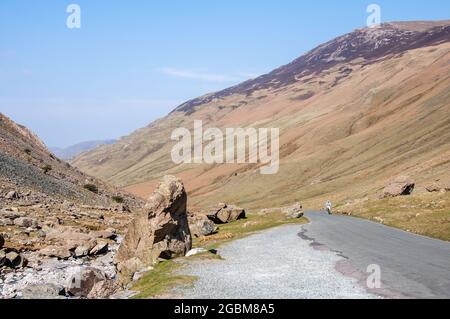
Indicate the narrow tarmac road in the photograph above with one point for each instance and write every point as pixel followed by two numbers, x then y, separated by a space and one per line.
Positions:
pixel 415 266
pixel 331 257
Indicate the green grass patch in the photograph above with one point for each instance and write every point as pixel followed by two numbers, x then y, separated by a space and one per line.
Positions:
pixel 160 280
pixel 423 214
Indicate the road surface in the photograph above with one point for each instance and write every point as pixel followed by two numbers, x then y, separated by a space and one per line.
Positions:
pixel 327 258
pixel 415 266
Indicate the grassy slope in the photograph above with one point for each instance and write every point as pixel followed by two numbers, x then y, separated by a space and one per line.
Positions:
pixel 342 143
pixel 425 214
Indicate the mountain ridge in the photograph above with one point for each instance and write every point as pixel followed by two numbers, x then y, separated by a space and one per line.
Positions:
pixel 69 152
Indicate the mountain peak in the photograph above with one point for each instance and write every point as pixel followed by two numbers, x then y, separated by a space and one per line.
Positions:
pixel 370 44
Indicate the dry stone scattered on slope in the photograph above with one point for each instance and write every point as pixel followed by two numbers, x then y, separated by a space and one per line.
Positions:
pixel 223 214
pixel 399 186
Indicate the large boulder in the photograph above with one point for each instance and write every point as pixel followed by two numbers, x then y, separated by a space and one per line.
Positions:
pixel 400 186
pixel 161 230
pixel 201 226
pixel 223 214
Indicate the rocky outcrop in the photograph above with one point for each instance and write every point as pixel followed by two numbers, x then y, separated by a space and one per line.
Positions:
pixel 400 186
pixel 201 226
pixel 161 230
pixel 223 214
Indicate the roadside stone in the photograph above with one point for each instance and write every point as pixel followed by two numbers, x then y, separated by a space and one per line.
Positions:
pixel 196 251
pixel 223 214
pixel 201 226
pixel 294 212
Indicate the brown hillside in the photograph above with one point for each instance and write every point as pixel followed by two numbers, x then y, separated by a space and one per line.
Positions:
pixel 352 113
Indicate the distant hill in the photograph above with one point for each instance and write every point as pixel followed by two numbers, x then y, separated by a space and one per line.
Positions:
pixel 72 151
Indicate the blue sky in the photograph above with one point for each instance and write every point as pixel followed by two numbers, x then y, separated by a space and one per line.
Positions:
pixel 134 61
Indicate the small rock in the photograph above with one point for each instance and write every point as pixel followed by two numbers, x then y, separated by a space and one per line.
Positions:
pixel 82 251
pixel 12 195
pixel 41 234
pixel 294 212
pixel 15 260
pixel 53 222
pixel 196 251
pixel 99 249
